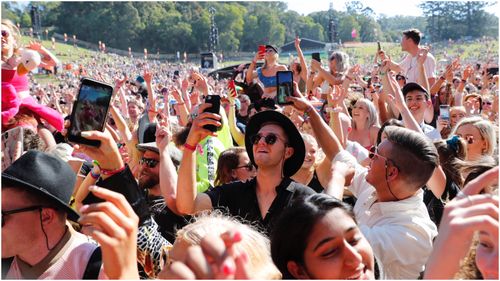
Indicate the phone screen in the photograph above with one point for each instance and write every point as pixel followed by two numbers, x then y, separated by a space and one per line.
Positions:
pixel 444 112
pixel 284 81
pixel 12 146
pixel 90 110
pixel 316 56
pixel 215 108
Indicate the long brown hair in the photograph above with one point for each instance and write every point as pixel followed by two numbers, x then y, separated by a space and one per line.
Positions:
pixel 228 160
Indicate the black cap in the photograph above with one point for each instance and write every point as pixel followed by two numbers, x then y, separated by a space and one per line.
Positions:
pixel 408 87
pixel 272 47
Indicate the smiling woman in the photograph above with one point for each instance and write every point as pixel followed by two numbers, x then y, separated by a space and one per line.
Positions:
pixel 318 238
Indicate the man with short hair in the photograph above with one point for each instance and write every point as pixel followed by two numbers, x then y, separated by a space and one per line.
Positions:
pixel 389 207
pixel 410 43
pixel 36 191
pixel 274 146
pixel 418 101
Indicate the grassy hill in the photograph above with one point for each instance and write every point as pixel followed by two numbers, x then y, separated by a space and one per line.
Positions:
pixel 361 53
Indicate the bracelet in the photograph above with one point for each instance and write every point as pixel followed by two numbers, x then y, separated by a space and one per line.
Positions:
pixel 307 112
pixel 464 81
pixel 442 78
pixel 190 147
pixel 94 176
pixel 112 172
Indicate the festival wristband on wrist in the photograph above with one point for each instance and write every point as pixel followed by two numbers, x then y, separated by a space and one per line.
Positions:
pixel 190 147
pixel 94 176
pixel 112 172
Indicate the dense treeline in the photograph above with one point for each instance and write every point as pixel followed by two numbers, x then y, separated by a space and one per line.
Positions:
pixel 184 26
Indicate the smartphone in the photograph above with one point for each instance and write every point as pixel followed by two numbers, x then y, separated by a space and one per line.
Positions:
pixel 284 83
pixel 232 87
pixel 444 111
pixel 262 49
pixel 378 46
pixel 215 108
pixel 316 56
pixel 12 146
pixel 176 74
pixel 90 110
pixel 492 71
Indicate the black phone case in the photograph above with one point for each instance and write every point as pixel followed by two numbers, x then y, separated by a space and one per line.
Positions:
pixel 278 74
pixel 215 108
pixel 78 138
pixel 316 56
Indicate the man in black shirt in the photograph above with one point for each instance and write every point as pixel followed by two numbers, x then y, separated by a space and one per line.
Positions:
pixel 275 147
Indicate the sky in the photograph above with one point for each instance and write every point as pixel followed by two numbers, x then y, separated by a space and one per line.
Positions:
pixel 387 7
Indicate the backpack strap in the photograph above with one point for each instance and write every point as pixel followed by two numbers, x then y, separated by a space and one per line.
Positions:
pixel 6 263
pixel 94 265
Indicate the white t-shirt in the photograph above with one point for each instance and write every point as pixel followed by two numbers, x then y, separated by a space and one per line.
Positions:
pixel 399 232
pixel 410 67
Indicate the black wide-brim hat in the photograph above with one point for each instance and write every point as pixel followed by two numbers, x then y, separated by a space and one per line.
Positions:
pixel 44 175
pixel 292 164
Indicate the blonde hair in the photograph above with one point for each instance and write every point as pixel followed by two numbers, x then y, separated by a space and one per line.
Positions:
pixel 254 243
pixel 372 113
pixel 320 155
pixel 14 32
pixel 486 129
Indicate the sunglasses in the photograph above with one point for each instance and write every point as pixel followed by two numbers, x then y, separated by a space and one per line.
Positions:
pixel 399 78
pixel 486 102
pixel 5 33
pixel 469 139
pixel 372 153
pixel 151 163
pixel 248 166
pixel 269 139
pixel 120 145
pixel 20 210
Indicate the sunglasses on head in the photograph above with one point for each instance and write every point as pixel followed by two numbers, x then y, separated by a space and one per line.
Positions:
pixel 248 166
pixel 269 139
pixel 151 163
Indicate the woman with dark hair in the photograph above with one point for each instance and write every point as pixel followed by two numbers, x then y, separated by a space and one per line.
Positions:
pixel 234 165
pixel 318 238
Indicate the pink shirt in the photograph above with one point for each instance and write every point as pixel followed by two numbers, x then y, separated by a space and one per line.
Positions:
pixel 70 264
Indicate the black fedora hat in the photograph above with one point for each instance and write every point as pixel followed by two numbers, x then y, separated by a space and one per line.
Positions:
pixel 44 175
pixel 292 164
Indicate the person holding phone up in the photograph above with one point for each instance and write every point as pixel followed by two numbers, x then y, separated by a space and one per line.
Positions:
pixel 267 73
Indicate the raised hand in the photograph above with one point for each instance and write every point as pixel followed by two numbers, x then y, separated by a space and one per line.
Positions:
pixel 422 55
pixel 114 226
pixel 147 75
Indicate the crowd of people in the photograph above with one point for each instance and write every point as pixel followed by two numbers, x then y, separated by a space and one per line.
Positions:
pixel 379 171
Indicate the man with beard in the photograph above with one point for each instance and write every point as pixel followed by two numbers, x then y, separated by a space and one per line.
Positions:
pixel 152 162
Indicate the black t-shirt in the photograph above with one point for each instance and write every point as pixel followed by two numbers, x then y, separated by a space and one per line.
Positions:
pixel 168 222
pixel 240 200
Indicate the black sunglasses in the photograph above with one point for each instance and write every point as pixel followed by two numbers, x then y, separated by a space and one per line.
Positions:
pixel 269 139
pixel 151 163
pixel 248 166
pixel 20 210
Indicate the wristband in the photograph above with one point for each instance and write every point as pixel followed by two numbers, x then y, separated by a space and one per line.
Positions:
pixel 190 147
pixel 112 172
pixel 464 81
pixel 442 78
pixel 94 176
pixel 95 162
pixel 382 73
